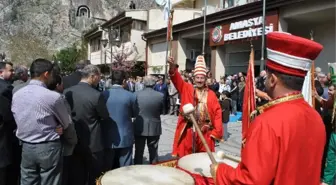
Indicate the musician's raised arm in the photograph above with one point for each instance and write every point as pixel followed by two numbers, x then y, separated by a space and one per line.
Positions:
pixel 175 76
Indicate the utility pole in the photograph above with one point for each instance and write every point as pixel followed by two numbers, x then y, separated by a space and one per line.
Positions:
pixel 262 60
pixel 204 25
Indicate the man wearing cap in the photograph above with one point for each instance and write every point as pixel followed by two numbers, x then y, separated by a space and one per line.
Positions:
pixel 208 112
pixel 285 143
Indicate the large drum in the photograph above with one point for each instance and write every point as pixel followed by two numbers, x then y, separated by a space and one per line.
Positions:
pixel 198 166
pixel 146 175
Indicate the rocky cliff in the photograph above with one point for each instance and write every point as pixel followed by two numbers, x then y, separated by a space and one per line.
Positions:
pixel 38 28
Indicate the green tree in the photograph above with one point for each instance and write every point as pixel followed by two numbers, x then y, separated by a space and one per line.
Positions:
pixel 68 57
pixel 138 69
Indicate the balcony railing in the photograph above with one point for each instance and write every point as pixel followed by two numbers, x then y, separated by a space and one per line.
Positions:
pixel 226 4
pixel 234 3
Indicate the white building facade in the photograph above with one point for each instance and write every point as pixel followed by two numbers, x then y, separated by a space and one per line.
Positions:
pixel 125 32
pixel 227 40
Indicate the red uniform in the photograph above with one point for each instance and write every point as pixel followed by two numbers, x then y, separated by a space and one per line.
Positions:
pixel 284 146
pixel 183 135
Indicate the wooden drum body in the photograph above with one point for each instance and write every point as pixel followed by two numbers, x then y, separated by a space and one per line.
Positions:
pixel 146 175
pixel 198 166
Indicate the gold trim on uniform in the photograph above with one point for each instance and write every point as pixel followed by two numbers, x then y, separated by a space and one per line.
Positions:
pixel 262 108
pixel 243 143
pixel 182 131
pixel 204 115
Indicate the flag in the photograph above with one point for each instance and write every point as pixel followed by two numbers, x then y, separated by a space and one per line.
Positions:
pixel 249 104
pixel 166 10
pixel 307 88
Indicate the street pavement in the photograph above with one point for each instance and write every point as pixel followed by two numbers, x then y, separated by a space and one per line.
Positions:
pixel 230 147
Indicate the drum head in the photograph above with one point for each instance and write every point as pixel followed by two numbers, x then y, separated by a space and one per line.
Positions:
pixel 199 163
pixel 146 175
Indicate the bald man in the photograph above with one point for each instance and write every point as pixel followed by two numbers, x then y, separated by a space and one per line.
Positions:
pixel 260 89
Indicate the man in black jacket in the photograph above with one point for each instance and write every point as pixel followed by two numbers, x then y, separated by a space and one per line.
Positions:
pixel 75 77
pixel 7 123
pixel 319 89
pixel 88 112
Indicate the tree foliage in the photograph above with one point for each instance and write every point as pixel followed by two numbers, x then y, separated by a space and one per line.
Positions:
pixel 68 57
pixel 24 47
pixel 138 69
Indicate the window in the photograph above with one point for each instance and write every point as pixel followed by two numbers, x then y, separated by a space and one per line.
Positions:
pixel 238 61
pixel 125 34
pixel 230 3
pixel 83 11
pixel 138 25
pixel 95 44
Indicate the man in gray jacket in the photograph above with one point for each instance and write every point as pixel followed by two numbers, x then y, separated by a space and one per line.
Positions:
pixel 148 123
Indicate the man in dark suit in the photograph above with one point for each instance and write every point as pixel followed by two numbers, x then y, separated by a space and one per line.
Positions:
pixel 163 88
pixel 319 89
pixel 130 85
pixel 148 123
pixel 6 75
pixel 119 137
pixel 7 126
pixel 75 77
pixel 88 110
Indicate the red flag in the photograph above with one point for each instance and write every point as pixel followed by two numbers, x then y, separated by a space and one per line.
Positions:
pixel 249 104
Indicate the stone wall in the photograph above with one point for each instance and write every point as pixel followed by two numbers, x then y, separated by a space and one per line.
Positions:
pixel 55 23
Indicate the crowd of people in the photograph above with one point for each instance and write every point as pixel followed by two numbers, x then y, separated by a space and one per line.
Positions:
pixel 69 130
pixel 63 130
pixel 229 91
pixel 64 111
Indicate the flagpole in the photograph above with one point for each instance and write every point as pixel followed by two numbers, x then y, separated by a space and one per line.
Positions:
pixel 312 74
pixel 171 31
pixel 167 44
pixel 204 25
pixel 262 60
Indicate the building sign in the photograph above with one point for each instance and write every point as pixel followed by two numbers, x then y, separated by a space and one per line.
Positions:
pixel 246 29
pixel 243 30
pixel 217 34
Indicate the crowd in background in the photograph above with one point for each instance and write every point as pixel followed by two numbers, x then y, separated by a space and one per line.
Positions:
pixel 69 130
pixel 154 96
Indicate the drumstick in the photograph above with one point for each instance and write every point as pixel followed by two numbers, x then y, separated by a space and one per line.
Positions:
pixel 188 109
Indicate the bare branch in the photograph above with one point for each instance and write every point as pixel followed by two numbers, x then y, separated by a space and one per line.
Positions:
pixel 124 57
